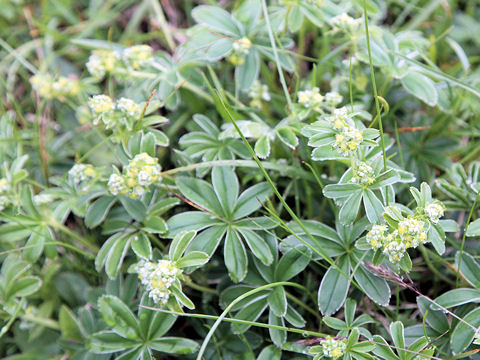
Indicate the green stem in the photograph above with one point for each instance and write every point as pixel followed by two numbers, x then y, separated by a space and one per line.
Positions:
pixel 239 321
pixel 375 94
pixel 275 54
pixel 232 304
pixel 463 238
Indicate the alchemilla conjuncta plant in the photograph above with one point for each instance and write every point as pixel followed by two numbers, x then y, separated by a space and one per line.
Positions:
pixel 239 180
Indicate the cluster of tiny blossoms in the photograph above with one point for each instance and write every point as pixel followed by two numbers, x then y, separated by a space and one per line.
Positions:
pixel 333 348
pixel 240 50
pixel 158 278
pixel 363 174
pixel 102 62
pixel 49 88
pixel 82 173
pixel 410 233
pixel 258 92
pixel 348 138
pixel 345 22
pixel 138 175
pixel 113 113
pixel 313 99
pixel 434 211
pixel 4 193
pixel 316 2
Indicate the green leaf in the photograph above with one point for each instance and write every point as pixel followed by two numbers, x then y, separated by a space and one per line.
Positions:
pixel 35 244
pixel 119 317
pixel 135 208
pixel 279 337
pixel 235 256
pixel 182 298
pixel 262 147
pixel 141 245
pixel 174 345
pixel 225 184
pixel 374 287
pixel 437 236
pixel 106 342
pixel 382 349
pixel 251 312
pixel 190 220
pixel 250 200
pixel 69 325
pixel 147 144
pixel 247 73
pixel 292 263
pixel 179 244
pixel 257 245
pixel 216 19
pixel 114 258
pixel 288 137
pixel 396 331
pixel 201 193
pixel 337 191
pixel 23 287
pixel 435 318
pixel 155 225
pixel 349 211
pixel 334 288
pixel 421 87
pixel 270 353
pixel 208 240
pixel 373 207
pixel 463 334
pixel 474 228
pixel 457 297
pixel 469 268
pixel 194 258
pixel 277 300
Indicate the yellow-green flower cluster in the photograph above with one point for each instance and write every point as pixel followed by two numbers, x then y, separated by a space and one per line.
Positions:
pixel 43 199
pixel 82 173
pixel 138 175
pixel 4 193
pixel 112 113
pixel 333 348
pixel 348 138
pixel 410 233
pixel 60 88
pixel 258 92
pixel 333 98
pixel 240 50
pixel 138 56
pixel 363 174
pixel 102 62
pixel 310 98
pixel 158 278
pixel 434 211
pixel 345 22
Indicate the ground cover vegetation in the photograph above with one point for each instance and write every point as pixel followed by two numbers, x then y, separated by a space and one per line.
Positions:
pixel 250 179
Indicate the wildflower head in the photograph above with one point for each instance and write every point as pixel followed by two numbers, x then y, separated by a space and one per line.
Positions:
pixel 141 172
pixel 363 173
pixel 376 236
pixel 81 173
pixel 412 232
pixel 345 22
pixel 158 278
pixel 333 348
pixel 240 50
pixel 116 184
pixel 4 202
pixel 138 56
pixel 348 138
pixel 4 186
pixel 49 88
pixel 434 211
pixel 394 247
pixel 101 104
pixel 333 98
pixel 128 107
pixel 102 62
pixel 310 98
